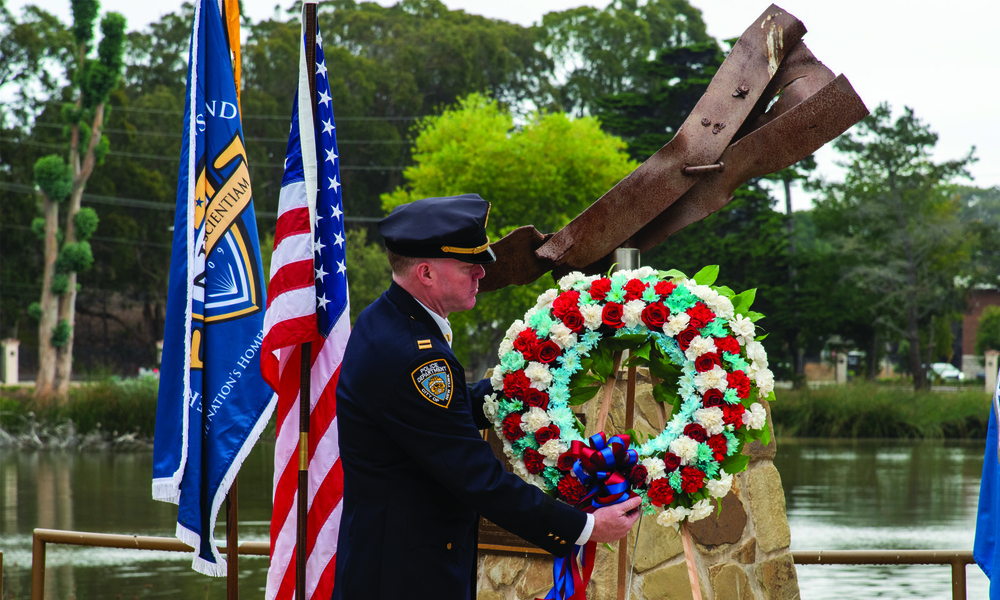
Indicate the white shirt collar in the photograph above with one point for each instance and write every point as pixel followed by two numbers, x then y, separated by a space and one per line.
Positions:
pixel 442 323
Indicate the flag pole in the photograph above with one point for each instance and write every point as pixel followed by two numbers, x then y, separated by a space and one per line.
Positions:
pixel 232 543
pixel 305 352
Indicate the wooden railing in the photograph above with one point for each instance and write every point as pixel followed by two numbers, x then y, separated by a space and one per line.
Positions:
pixel 957 559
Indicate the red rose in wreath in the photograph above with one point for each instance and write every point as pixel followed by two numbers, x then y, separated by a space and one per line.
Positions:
pixel 655 315
pixel 571 489
pixel 713 397
pixel 536 398
pixel 612 315
pixel 566 462
pixel 512 427
pixel 574 320
pixel 696 432
pixel 548 351
pixel 545 434
pixel 684 338
pixel 660 493
pixel 671 461
pixel 638 476
pixel 707 362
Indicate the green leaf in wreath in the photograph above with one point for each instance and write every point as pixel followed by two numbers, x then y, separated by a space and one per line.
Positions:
pixel 643 351
pixel 742 302
pixel 636 437
pixel 754 316
pixel 707 276
pixel 725 290
pixel 663 393
pixel 582 394
pixel 736 463
pixel 761 338
pixel 603 361
pixel 672 274
pixel 765 435
pixel 661 368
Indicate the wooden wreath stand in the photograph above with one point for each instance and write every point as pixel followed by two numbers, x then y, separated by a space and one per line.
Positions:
pixel 607 391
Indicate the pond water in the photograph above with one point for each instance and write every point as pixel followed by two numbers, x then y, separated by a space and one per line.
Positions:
pixel 840 495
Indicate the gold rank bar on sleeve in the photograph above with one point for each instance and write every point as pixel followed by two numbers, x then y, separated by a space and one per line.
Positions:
pixel 424 344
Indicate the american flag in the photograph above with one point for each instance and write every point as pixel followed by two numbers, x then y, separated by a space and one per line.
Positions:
pixel 307 302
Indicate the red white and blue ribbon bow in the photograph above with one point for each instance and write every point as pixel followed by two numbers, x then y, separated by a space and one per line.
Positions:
pixel 602 467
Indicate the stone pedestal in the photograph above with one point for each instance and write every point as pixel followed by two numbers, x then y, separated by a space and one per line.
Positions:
pixel 741 553
pixel 10 360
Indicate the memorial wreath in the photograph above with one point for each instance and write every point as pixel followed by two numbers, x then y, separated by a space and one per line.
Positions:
pixel 700 344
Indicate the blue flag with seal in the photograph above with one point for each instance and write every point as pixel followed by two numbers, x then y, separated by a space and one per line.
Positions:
pixel 986 550
pixel 213 402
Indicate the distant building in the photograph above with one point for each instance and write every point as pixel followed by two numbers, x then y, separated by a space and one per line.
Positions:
pixel 979 299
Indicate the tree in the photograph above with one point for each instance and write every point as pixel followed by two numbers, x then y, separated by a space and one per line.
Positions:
pixel 542 173
pixel 988 334
pixel 603 51
pixel 93 80
pixel 894 224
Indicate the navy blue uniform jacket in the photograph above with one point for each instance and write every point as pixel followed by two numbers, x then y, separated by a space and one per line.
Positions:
pixel 417 472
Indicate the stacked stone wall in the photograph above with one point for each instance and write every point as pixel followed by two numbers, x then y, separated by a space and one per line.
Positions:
pixel 741 552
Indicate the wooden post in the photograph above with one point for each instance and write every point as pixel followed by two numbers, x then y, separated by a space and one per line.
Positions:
pixel 232 543
pixel 305 353
pixel 607 393
pixel 689 558
pixel 623 570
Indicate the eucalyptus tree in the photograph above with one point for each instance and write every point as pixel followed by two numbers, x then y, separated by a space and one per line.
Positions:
pixel 67 250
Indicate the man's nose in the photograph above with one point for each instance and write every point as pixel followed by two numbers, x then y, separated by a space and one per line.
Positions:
pixel 478 273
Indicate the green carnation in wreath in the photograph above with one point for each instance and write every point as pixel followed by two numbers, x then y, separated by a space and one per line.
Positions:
pixel 698 339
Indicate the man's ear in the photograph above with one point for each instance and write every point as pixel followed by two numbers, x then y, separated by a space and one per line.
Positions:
pixel 424 273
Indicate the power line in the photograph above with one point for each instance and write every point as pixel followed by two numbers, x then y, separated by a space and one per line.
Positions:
pixel 245 116
pixel 102 238
pixel 177 159
pixel 179 136
pixel 147 204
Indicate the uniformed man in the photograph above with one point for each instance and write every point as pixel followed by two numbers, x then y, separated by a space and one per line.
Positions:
pixel 417 473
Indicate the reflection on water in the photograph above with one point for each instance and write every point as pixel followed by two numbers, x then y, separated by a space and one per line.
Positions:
pixel 878 494
pixel 839 495
pixel 111 493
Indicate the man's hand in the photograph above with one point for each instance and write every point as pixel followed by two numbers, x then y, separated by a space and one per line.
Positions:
pixel 612 523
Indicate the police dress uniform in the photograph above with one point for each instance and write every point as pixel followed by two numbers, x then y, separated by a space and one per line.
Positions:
pixel 417 473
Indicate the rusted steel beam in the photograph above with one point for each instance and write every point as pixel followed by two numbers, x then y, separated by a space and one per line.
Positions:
pixel 770 105
pixel 713 122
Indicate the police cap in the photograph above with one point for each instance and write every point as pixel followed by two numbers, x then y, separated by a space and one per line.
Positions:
pixel 449 227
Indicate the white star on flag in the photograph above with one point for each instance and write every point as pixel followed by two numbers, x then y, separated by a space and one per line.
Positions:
pixel 324 98
pixel 336 212
pixel 327 127
pixel 319 246
pixel 322 300
pixel 335 186
pixel 341 267
pixel 338 240
pixel 330 156
pixel 320 273
pixel 320 69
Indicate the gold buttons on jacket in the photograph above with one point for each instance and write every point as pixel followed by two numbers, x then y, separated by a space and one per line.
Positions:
pixel 449 545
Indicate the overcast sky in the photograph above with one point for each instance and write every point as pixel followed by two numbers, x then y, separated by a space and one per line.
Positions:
pixel 938 58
